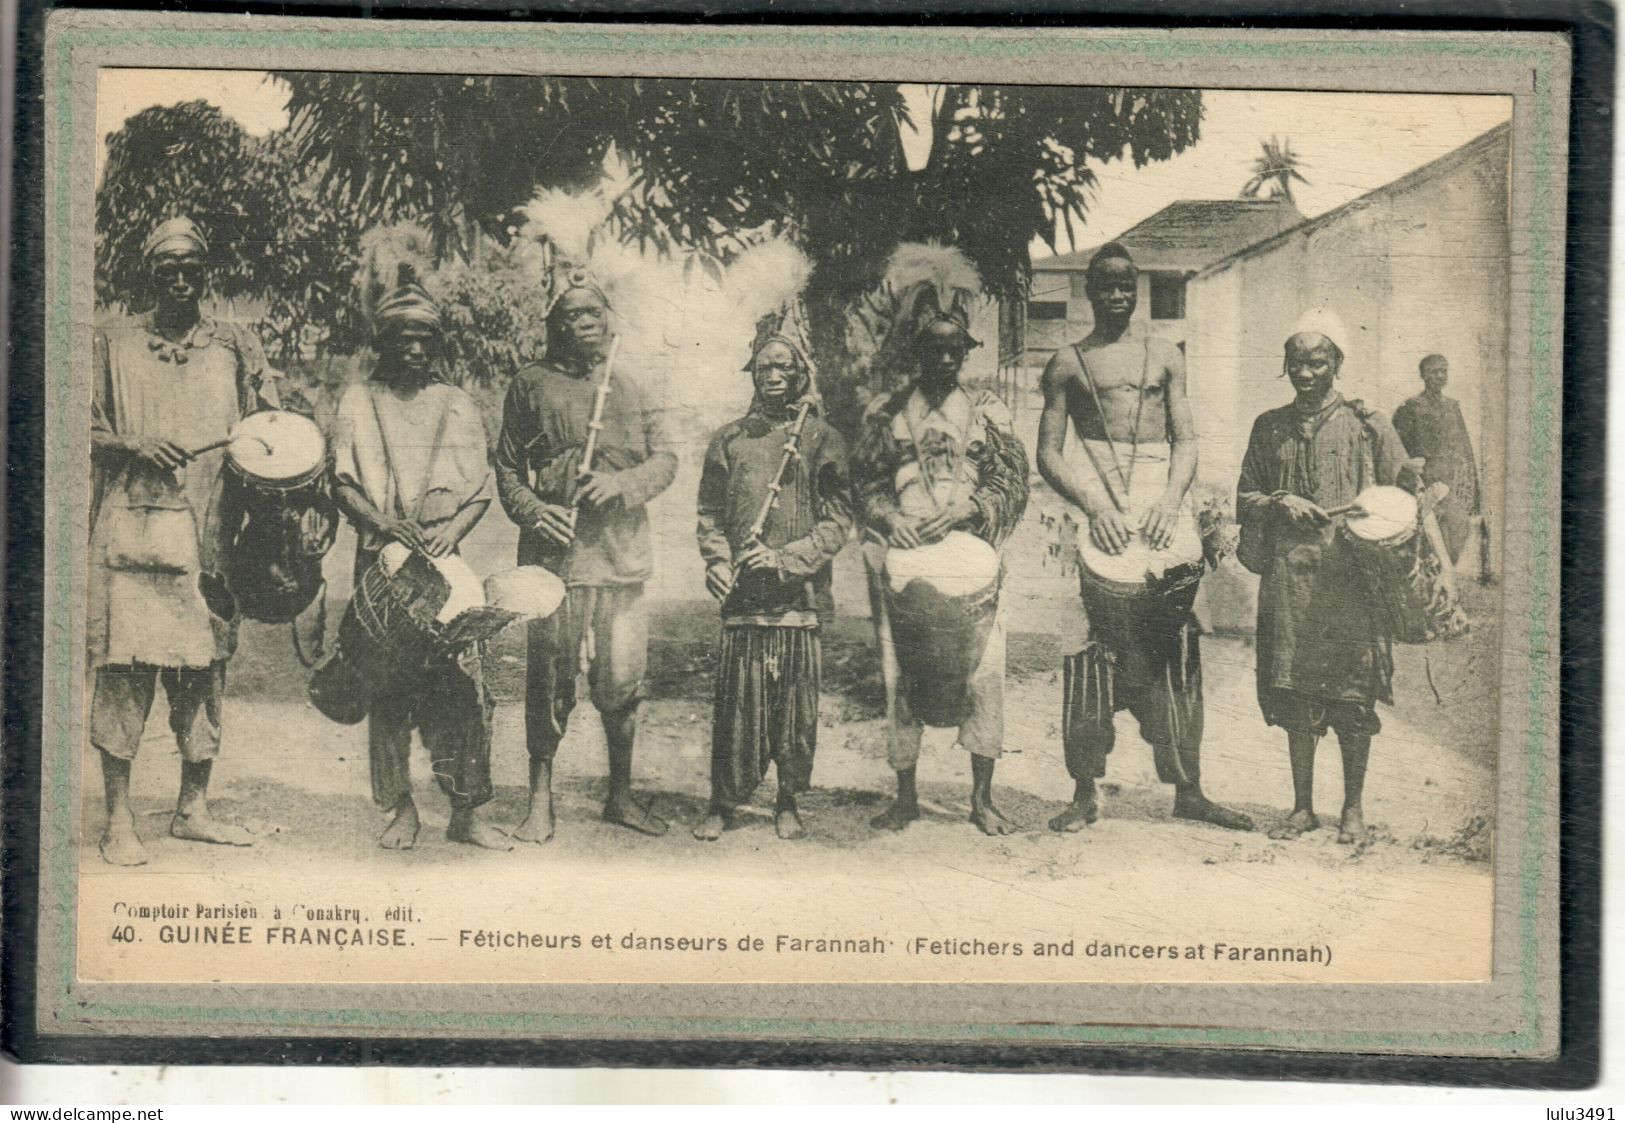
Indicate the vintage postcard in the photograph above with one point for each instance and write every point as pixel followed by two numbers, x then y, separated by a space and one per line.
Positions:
pixel 1030 538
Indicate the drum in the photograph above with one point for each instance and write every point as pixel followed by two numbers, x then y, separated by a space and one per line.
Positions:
pixel 277 466
pixel 941 600
pixel 1139 570
pixel 410 612
pixel 1412 584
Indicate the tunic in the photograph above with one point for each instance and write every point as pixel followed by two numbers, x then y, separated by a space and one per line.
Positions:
pixel 1433 428
pixel 768 668
pixel 544 432
pixel 153 534
pixel 1317 634
pixel 967 447
pixel 808 526
pixel 421 456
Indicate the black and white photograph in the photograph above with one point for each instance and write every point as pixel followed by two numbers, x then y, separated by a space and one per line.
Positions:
pixel 595 530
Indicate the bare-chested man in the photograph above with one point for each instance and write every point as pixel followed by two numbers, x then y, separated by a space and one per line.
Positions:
pixel 1123 392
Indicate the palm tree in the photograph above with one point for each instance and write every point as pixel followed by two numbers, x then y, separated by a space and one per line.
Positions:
pixel 1277 167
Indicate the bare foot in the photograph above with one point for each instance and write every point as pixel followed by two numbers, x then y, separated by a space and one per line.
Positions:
pixel 788 824
pixel 1352 828
pixel 402 832
pixel 202 826
pixel 711 827
pixel 1203 810
pixel 120 845
pixel 538 824
pixel 990 820
pixel 1076 816
pixel 465 827
pixel 630 813
pixel 899 815
pixel 1297 823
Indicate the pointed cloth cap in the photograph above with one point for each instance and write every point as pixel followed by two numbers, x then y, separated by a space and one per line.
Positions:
pixel 787 326
pixel 407 303
pixel 175 236
pixel 1323 321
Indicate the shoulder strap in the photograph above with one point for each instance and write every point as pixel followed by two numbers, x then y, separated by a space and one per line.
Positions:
pixel 383 443
pixel 1111 445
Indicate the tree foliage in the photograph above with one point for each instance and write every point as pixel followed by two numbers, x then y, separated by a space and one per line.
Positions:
pixel 1276 169
pixel 711 166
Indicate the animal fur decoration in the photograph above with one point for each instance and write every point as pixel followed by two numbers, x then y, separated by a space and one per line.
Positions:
pixel 393 259
pixel 923 282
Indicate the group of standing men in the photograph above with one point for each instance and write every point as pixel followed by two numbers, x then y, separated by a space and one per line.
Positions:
pixel 411 466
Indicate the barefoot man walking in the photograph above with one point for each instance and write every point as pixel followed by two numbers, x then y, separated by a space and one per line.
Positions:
pixel 1123 393
pixel 165 384
pixel 934 459
pixel 593 532
pixel 1322 662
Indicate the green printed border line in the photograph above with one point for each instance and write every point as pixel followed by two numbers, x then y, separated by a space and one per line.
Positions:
pixel 63 848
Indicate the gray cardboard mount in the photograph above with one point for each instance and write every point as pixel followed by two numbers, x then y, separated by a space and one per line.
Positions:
pixel 1513 1014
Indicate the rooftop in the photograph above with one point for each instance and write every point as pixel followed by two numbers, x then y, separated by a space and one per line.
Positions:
pixel 1191 234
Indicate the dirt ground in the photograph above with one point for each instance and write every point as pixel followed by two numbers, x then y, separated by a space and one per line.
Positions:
pixel 301 783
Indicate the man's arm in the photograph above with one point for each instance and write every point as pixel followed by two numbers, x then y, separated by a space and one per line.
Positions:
pixel 832 510
pixel 511 460
pixel 1160 521
pixel 1107 527
pixel 642 482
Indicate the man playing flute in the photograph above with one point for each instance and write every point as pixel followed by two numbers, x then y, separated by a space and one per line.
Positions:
pixel 773 579
pixel 591 530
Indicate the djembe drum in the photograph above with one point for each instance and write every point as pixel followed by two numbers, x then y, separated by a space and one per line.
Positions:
pixel 410 612
pixel 942 599
pixel 277 463
pixel 1401 551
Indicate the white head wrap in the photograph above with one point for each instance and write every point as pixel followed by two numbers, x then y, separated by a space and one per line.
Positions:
pixel 1323 321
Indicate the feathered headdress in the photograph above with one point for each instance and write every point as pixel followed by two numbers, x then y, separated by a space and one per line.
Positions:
pixel 389 281
pixel 932 282
pixel 924 282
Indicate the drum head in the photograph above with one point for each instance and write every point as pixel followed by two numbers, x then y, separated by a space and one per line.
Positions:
pixel 276 446
pixel 957 566
pixel 1385 513
pixel 528 590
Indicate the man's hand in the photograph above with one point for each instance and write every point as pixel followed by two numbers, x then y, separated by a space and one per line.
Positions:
pixel 758 556
pixel 961 512
pixel 719 580
pixel 556 522
pixel 598 489
pixel 440 542
pixel 1303 514
pixel 902 532
pixel 407 532
pixel 164 455
pixel 1159 525
pixel 1109 531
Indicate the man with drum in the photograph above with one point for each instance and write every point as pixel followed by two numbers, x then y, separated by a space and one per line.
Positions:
pixel 774 510
pixel 166 386
pixel 1122 392
pixel 410 467
pixel 1323 660
pixel 590 529
pixel 934 461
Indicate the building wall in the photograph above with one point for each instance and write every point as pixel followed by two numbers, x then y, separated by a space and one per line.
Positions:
pixel 1413 270
pixel 1044 337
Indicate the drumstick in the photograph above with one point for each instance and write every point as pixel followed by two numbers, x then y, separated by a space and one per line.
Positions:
pixel 224 441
